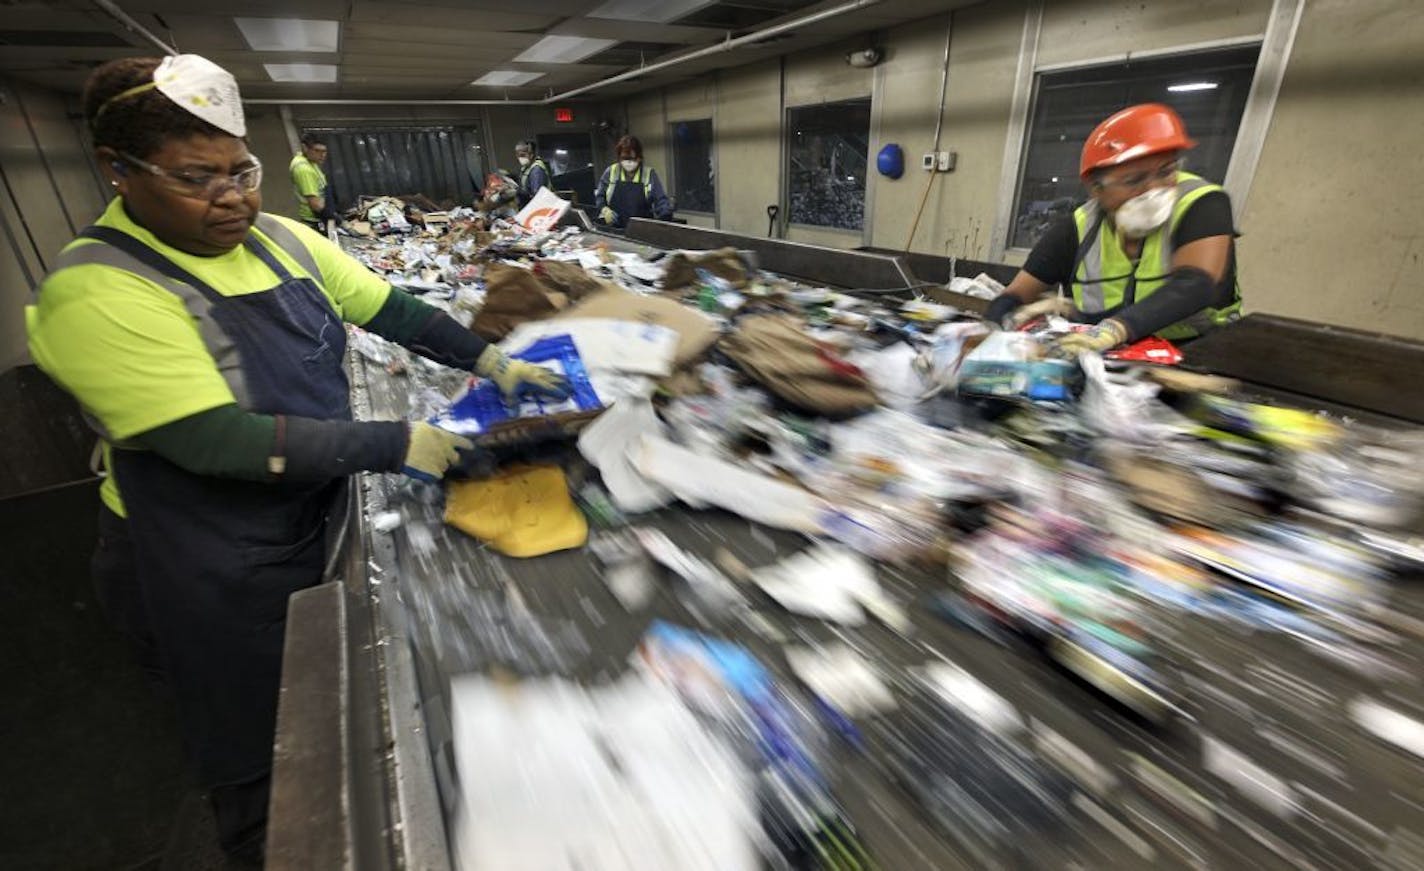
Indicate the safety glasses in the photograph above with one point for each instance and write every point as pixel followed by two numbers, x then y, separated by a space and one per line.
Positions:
pixel 1165 172
pixel 201 186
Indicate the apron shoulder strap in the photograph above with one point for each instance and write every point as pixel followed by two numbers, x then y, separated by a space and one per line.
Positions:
pixel 283 237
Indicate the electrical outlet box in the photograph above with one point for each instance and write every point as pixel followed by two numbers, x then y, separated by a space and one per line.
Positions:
pixel 945 161
pixel 930 161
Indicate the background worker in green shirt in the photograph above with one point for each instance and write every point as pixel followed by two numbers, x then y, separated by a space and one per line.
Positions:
pixel 314 203
pixel 204 341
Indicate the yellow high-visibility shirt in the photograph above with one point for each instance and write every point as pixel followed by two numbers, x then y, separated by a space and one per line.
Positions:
pixel 130 352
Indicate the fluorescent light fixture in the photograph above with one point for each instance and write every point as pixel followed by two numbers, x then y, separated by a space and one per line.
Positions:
pixel 561 151
pixel 301 72
pixel 289 34
pixel 660 11
pixel 562 50
pixel 506 77
pixel 1192 86
pixel 1055 179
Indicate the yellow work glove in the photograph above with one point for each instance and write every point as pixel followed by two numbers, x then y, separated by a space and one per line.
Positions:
pixel 431 450
pixel 608 216
pixel 518 378
pixel 1103 337
pixel 1053 306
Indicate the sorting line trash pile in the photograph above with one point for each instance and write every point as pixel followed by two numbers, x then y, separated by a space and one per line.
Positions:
pixel 1098 524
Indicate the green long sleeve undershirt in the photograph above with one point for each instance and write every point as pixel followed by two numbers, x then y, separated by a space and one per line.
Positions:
pixel 227 442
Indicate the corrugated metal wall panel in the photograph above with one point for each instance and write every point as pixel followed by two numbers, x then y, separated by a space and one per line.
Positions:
pixel 442 163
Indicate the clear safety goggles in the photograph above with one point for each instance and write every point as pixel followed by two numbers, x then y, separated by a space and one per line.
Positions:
pixel 201 186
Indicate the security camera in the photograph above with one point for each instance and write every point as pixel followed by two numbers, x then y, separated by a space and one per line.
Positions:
pixel 866 57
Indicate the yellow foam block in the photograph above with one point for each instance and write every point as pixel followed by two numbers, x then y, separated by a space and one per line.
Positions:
pixel 523 511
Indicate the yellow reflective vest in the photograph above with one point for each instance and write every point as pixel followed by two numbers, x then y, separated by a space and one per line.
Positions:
pixel 1105 277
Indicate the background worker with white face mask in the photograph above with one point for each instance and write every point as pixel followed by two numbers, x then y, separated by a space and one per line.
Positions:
pixel 1152 252
pixel 628 189
pixel 533 171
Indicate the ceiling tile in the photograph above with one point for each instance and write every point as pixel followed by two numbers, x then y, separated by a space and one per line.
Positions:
pixel 506 43
pixel 472 24
pixel 202 33
pixel 560 8
pixel 328 9
pixel 397 50
pixel 634 30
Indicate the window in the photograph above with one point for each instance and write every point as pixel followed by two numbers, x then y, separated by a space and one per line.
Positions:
pixel 447 164
pixel 827 150
pixel 1207 88
pixel 570 159
pixel 694 185
pixel 566 152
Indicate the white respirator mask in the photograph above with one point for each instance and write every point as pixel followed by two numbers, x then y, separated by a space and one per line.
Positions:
pixel 204 89
pixel 523 161
pixel 1142 214
pixel 629 165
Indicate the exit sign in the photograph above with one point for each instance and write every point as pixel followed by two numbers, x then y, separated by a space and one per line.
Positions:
pixel 564 116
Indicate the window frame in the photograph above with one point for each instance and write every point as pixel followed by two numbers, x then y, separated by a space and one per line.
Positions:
pixel 672 167
pixel 784 219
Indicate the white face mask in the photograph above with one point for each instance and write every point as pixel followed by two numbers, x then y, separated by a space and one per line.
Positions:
pixel 629 165
pixel 203 88
pixel 1142 214
pixel 523 161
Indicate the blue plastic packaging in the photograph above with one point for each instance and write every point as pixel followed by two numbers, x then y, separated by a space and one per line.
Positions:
pixel 483 406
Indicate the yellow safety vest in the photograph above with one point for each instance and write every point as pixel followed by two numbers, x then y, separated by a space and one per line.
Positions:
pixel 524 175
pixel 1103 274
pixel 644 177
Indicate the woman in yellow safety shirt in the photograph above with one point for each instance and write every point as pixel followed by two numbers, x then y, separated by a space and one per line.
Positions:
pixel 204 340
pixel 1152 251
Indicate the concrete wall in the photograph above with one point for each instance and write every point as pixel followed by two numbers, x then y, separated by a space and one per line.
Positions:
pixel 1331 227
pixel 267 140
pixel 48 191
pixel 1335 191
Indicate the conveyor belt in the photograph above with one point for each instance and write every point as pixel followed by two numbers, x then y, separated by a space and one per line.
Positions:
pixel 438 603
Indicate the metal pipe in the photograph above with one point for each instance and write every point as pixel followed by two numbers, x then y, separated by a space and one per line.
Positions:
pixel 128 22
pixel 726 45
pixel 943 81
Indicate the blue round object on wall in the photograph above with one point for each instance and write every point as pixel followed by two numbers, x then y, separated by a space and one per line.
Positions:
pixel 891 161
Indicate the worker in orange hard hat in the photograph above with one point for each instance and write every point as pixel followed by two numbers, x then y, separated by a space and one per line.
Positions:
pixel 1152 251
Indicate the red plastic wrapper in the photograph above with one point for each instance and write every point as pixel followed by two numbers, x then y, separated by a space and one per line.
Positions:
pixel 1149 350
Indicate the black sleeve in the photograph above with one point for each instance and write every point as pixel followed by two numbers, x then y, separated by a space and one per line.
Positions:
pixel 1051 260
pixel 427 331
pixel 1000 307
pixel 227 442
pixel 1187 292
pixel 1209 216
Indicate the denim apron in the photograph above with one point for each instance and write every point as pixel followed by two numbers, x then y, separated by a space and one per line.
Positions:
pixel 628 196
pixel 217 558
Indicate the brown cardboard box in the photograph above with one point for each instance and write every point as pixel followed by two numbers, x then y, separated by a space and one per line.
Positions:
pixel 697 331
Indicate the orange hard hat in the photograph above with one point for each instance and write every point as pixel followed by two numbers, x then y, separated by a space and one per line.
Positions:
pixel 1137 131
